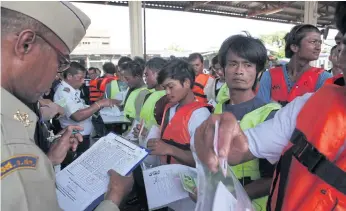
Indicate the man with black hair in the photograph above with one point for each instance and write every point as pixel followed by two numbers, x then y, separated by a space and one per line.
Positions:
pixel 333 57
pixel 76 111
pixel 336 70
pixel 204 82
pixel 133 75
pixel 219 90
pixel 181 117
pixel 283 84
pixel 306 138
pixel 151 72
pixel 98 85
pixel 242 59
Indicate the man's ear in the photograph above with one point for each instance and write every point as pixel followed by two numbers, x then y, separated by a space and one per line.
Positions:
pixel 25 43
pixel 294 48
pixel 187 83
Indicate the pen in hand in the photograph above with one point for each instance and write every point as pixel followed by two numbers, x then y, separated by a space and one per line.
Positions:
pixel 54 138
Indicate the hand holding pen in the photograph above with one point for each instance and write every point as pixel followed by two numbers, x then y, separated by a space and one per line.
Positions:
pixel 69 138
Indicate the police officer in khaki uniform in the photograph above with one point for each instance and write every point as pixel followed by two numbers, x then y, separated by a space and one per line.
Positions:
pixel 36 39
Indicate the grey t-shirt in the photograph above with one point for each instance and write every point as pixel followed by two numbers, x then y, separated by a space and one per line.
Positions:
pixel 239 111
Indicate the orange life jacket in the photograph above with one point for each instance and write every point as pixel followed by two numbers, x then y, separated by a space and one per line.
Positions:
pixel 97 87
pixel 306 83
pixel 333 79
pixel 198 87
pixel 176 131
pixel 311 173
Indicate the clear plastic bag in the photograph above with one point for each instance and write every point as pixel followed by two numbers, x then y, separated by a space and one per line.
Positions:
pixel 209 185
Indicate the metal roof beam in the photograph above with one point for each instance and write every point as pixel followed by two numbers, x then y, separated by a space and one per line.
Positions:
pixel 195 5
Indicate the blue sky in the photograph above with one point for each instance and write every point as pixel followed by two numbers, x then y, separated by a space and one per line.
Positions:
pixel 190 31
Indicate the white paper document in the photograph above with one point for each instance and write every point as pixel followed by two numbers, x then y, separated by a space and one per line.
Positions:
pixel 129 134
pixel 224 200
pixel 163 186
pixel 113 115
pixel 86 178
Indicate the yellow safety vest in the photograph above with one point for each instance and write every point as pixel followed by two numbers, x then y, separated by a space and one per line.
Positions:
pixel 223 93
pixel 114 88
pixel 251 168
pixel 130 109
pixel 147 111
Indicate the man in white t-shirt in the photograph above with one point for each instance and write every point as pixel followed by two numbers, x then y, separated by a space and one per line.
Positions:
pixel 182 115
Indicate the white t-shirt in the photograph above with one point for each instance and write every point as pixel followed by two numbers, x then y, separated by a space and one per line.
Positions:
pixel 196 119
pixel 219 84
pixel 268 139
pixel 73 104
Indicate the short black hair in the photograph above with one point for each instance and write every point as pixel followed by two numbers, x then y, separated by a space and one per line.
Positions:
pixel 295 36
pixel 73 69
pixel 332 49
pixel 177 69
pixel 194 56
pixel 215 60
pixel 156 64
pixel 340 16
pixel 109 68
pixel 124 59
pixel 92 68
pixel 133 67
pixel 246 47
pixel 140 61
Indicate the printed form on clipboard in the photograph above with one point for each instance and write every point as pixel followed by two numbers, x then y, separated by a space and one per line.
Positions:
pixel 85 180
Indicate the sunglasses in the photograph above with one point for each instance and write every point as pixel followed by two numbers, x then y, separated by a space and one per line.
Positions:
pixel 64 61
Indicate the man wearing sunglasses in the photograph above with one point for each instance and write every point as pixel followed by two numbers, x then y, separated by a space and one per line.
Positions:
pixel 35 46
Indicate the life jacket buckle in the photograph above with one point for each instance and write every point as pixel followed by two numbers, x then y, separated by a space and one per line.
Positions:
pixel 307 154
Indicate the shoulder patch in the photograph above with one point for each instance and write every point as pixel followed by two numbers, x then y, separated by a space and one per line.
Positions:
pixel 66 89
pixel 18 162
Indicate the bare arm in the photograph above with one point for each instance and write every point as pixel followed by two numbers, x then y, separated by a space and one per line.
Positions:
pixel 183 156
pixel 258 188
pixel 85 113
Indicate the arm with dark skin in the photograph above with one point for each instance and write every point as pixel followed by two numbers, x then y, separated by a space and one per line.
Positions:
pixel 258 188
pixel 159 147
pixel 85 113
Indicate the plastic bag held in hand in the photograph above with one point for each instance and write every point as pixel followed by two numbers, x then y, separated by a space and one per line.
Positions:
pixel 219 191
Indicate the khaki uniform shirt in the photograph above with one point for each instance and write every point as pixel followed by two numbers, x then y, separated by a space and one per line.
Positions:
pixel 27 175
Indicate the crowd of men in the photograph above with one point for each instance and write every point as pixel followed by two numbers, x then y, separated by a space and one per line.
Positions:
pixel 282 132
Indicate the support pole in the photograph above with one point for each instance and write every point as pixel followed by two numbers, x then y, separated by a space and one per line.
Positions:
pixel 310 17
pixel 136 32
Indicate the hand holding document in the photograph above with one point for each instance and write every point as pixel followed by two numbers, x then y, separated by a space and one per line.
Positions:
pixel 85 179
pixel 113 115
pixel 163 185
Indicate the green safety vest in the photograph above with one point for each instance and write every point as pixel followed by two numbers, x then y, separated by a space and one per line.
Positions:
pixel 148 109
pixel 223 93
pixel 130 109
pixel 114 88
pixel 251 168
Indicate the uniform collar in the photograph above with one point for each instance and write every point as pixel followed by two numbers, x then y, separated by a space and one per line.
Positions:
pixel 13 108
pixel 72 90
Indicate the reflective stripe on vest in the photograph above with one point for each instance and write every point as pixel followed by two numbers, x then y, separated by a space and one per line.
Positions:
pixel 306 83
pixel 223 93
pixel 250 170
pixel 311 174
pixel 130 109
pixel 114 88
pixel 176 131
pixel 148 109
pixel 198 87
